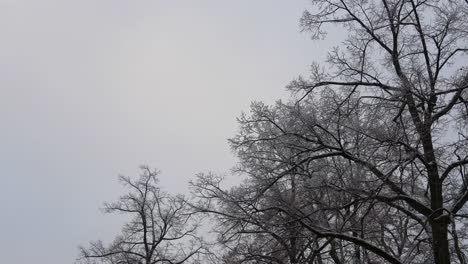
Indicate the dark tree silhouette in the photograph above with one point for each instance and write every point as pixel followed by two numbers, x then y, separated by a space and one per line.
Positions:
pixel 376 140
pixel 161 230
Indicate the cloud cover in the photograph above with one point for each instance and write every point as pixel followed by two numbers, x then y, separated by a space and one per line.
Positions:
pixel 93 88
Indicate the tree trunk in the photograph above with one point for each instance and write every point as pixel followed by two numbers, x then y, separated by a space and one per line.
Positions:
pixel 438 220
pixel 333 253
pixel 440 244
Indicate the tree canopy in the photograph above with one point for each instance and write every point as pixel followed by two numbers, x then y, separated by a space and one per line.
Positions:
pixel 364 163
pixel 367 161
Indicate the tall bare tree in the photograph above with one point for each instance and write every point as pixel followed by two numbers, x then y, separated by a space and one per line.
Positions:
pixel 377 134
pixel 411 57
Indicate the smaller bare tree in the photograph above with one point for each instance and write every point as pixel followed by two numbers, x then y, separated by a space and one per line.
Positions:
pixel 161 230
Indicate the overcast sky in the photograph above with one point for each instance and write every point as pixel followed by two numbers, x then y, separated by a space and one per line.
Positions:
pixel 93 88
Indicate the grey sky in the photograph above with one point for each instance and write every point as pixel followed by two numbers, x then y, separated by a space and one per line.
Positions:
pixel 94 88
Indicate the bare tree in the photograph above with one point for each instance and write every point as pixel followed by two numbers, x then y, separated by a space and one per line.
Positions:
pixel 407 56
pixel 161 229
pixel 252 230
pixel 376 137
pixel 365 164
